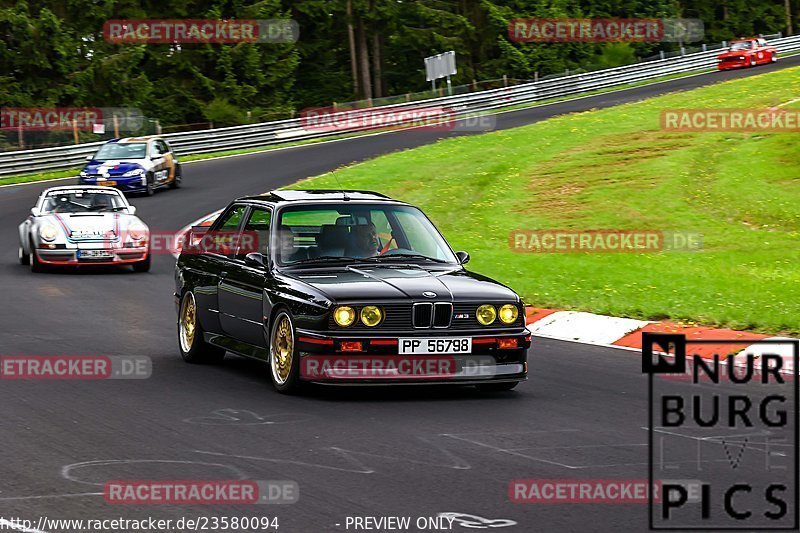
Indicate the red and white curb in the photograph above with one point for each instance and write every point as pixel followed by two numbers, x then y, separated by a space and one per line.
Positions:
pixel 626 334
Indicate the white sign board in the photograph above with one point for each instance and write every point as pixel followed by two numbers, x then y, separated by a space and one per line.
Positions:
pixel 440 66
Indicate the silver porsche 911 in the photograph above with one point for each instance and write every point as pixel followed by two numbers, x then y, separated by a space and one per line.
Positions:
pixel 83 225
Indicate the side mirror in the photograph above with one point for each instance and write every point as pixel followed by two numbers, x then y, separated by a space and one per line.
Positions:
pixel 190 243
pixel 463 257
pixel 132 209
pixel 89 157
pixel 256 260
pixel 34 211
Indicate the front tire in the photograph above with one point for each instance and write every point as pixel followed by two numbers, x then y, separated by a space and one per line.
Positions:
pixel 176 183
pixel 36 265
pixel 194 349
pixel 149 188
pixel 143 265
pixel 753 61
pixel 774 57
pixel 24 259
pixel 284 361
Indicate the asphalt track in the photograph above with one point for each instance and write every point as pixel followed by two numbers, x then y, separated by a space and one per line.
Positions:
pixel 397 451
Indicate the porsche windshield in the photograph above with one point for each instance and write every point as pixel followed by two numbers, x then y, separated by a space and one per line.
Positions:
pixel 375 232
pixel 82 201
pixel 121 151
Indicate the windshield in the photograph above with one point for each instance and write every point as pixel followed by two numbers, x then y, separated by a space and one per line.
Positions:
pixel 121 151
pixel 83 201
pixel 333 232
pixel 744 45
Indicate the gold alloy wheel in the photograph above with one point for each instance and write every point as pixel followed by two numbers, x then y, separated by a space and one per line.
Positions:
pixel 282 349
pixel 188 322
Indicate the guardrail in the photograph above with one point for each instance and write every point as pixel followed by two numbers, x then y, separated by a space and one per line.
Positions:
pixel 458 106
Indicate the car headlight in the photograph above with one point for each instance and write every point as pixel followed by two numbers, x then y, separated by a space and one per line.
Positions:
pixel 134 172
pixel 83 174
pixel 508 314
pixel 486 314
pixel 137 231
pixel 371 315
pixel 344 315
pixel 48 232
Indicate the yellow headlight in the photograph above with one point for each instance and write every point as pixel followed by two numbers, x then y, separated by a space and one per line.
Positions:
pixel 486 314
pixel 48 232
pixel 371 315
pixel 508 314
pixel 344 315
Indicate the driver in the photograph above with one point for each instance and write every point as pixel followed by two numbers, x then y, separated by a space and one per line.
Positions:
pixel 101 202
pixel 289 253
pixel 364 241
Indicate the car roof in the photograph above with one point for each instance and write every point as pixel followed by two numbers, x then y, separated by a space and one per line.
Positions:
pixel 73 187
pixel 288 196
pixel 125 140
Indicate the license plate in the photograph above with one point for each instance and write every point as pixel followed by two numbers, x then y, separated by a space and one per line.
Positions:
pixel 107 183
pixel 434 345
pixel 94 254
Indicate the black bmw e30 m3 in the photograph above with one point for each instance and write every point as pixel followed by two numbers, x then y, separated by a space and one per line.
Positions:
pixel 344 287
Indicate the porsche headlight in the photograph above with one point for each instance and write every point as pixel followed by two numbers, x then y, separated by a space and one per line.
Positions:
pixel 134 172
pixel 486 314
pixel 508 314
pixel 48 232
pixel 344 315
pixel 137 231
pixel 371 315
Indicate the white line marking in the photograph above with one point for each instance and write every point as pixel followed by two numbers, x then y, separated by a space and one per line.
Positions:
pixel 50 496
pixel 587 327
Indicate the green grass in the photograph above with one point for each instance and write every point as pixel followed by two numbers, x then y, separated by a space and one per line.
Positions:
pixel 613 169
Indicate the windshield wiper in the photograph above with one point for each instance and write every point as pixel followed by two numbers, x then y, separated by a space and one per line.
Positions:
pixel 106 208
pixel 415 256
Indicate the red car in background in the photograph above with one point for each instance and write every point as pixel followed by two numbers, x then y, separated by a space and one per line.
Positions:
pixel 747 53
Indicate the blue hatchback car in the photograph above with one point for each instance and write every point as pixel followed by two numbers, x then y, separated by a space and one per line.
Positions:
pixel 133 165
